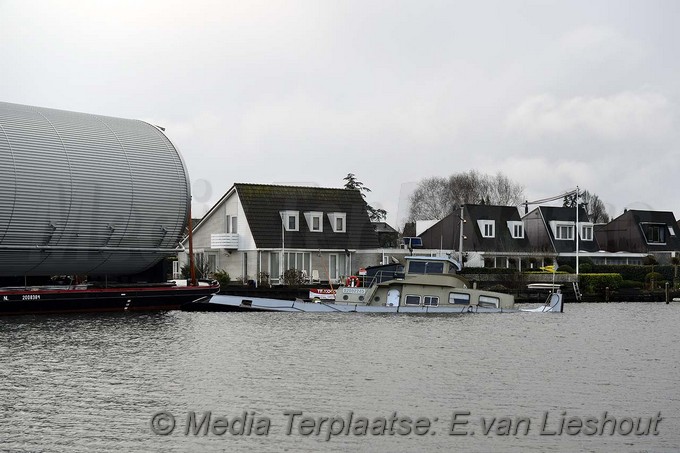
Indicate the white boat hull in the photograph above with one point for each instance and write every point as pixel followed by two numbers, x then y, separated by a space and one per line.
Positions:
pixel 240 303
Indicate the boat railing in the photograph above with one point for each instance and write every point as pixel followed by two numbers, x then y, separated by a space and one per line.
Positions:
pixel 381 276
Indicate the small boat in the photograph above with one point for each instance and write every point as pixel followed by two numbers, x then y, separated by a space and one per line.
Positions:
pixel 429 285
pixel 83 298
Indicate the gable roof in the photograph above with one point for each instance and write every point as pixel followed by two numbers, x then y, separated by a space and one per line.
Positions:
pixel 263 203
pixel 502 240
pixel 559 213
pixel 625 232
pixel 446 232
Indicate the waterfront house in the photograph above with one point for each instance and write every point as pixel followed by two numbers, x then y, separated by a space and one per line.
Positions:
pixel 554 229
pixel 642 232
pixel 493 236
pixel 257 232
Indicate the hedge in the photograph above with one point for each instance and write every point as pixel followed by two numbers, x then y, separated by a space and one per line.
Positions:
pixel 634 272
pixel 591 283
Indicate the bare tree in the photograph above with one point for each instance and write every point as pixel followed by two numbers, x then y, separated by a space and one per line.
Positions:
pixel 435 198
pixel 593 205
pixel 430 200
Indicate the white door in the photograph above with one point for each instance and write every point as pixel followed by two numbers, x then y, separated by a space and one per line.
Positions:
pixel 393 298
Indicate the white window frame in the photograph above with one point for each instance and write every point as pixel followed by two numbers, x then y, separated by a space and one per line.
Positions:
pixel 464 298
pixel 333 217
pixel 487 228
pixel 587 232
pixel 412 296
pixel 232 224
pixel 516 229
pixel 285 219
pixel 671 230
pixel 310 217
pixel 557 230
pixel 430 301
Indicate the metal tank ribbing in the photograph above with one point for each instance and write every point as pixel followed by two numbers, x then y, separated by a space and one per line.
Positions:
pixel 86 194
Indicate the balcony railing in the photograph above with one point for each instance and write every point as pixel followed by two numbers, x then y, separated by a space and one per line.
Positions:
pixel 224 241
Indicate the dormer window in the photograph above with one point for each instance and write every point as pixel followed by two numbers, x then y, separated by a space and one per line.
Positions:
pixel 290 220
pixel 587 232
pixel 338 221
pixel 563 231
pixel 487 227
pixel 314 221
pixel 655 233
pixel 516 229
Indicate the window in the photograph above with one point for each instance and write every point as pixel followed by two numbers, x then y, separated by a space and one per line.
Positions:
pixel 487 227
pixel 337 264
pixel 425 267
pixel 671 230
pixel 516 229
pixel 587 232
pixel 431 301
pixel 564 232
pixel 338 221
pixel 655 233
pixel 290 220
pixel 459 298
pixel 412 300
pixel 488 301
pixel 231 224
pixel 314 221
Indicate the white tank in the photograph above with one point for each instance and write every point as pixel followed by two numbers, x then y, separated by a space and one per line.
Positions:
pixel 86 194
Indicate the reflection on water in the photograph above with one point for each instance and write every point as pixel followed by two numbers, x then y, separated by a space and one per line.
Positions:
pixel 93 382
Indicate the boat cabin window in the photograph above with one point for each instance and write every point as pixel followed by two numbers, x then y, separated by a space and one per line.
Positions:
pixel 431 301
pixel 488 301
pixel 412 300
pixel 426 267
pixel 459 298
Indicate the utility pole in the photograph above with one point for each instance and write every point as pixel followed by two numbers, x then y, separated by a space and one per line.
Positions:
pixel 460 245
pixel 577 230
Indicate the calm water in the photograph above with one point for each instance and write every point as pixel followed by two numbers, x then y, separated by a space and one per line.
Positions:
pixel 92 383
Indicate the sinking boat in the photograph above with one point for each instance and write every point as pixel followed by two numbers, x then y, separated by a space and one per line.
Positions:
pixel 428 285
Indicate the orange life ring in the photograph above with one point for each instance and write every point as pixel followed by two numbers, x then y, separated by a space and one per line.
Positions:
pixel 352 281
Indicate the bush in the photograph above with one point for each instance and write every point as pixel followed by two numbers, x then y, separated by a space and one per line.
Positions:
pixel 263 280
pixel 654 280
pixel 593 283
pixel 566 268
pixel 222 277
pixel 488 270
pixel 628 284
pixel 293 278
pixel 650 260
pixel 585 268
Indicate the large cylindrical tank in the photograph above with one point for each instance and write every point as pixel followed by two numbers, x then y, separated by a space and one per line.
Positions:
pixel 86 194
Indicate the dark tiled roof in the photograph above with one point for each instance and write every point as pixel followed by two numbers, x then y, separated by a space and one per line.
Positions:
pixel 625 233
pixel 503 240
pixel 262 205
pixel 555 213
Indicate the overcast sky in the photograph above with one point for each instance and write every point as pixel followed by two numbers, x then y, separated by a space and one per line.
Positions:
pixel 553 94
